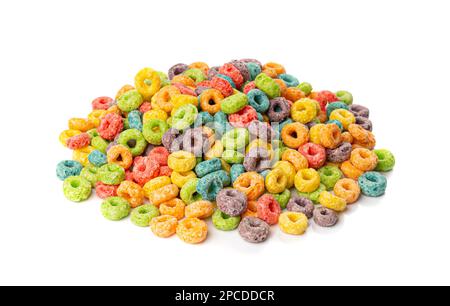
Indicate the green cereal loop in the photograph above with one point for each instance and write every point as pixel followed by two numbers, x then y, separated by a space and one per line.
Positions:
pixel 329 175
pixel 305 87
pixel 314 196
pixel 386 160
pixel 345 96
pixel 130 101
pixel 142 215
pixel 188 192
pixel 282 198
pixel 195 74
pixel 224 222
pixel 184 116
pixel 77 188
pixel 100 144
pixel 90 173
pixel 233 157
pixel 134 141
pixel 93 133
pixel 234 103
pixel 153 131
pixel 267 85
pixel 115 208
pixel 235 139
pixel 111 174
pixel 164 78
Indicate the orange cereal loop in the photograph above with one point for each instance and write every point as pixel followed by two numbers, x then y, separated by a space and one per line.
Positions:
pixel 192 230
pixel 358 133
pixel 120 155
pixel 200 65
pixel 199 209
pixel 348 190
pixel 351 171
pixel 174 207
pixel 210 101
pixel 282 85
pixel 322 116
pixel 251 209
pixel 294 135
pixel 162 99
pixel 131 192
pixel 81 124
pixel 369 144
pixel 182 79
pixel 251 184
pixel 295 158
pixel 164 226
pixel 114 110
pixel 163 194
pixel 293 94
pixel 270 72
pixel 123 90
pixel 347 137
pixel 330 136
pixel 364 159
pixel 279 69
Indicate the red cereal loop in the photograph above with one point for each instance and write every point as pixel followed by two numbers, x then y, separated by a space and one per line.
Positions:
pixel 268 209
pixel 314 153
pixel 102 103
pixel 160 155
pixel 325 97
pixel 110 126
pixel 243 118
pixel 250 86
pixel 231 71
pixel 145 169
pixel 184 89
pixel 145 107
pixel 129 175
pixel 165 171
pixel 222 85
pixel 78 141
pixel 205 83
pixel 104 191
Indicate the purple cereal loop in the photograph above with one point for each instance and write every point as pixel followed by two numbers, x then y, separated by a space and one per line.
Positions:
pixel 257 159
pixel 340 154
pixel 242 67
pixel 196 142
pixel 232 202
pixel 172 140
pixel 212 72
pixel 253 230
pixel 200 89
pixel 325 217
pixel 252 60
pixel 279 109
pixel 176 70
pixel 364 122
pixel 302 205
pixel 359 110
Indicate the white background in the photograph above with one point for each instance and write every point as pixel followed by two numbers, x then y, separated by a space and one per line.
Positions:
pixel 56 56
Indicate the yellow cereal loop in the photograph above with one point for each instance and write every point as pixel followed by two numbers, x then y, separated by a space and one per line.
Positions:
pixel 307 180
pixel 180 100
pixel 81 155
pixel 163 98
pixel 156 183
pixel 181 161
pixel 181 178
pixel 259 143
pixel 315 132
pixel 289 171
pixel 80 124
pixel 65 135
pixel 343 116
pixel 329 200
pixel 114 110
pixel 154 114
pixel 225 166
pixel 192 230
pixel 304 110
pixel 215 151
pixel 147 82
pixel 95 116
pixel 293 223
pixel 295 158
pixel 276 181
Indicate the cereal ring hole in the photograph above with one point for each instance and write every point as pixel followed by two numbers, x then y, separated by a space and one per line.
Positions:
pixel 225 216
pixel 131 143
pixel 75 184
pixel 324 212
pixel 294 217
pixel 148 82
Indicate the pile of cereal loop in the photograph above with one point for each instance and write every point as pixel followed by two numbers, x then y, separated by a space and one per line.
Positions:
pixel 245 144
